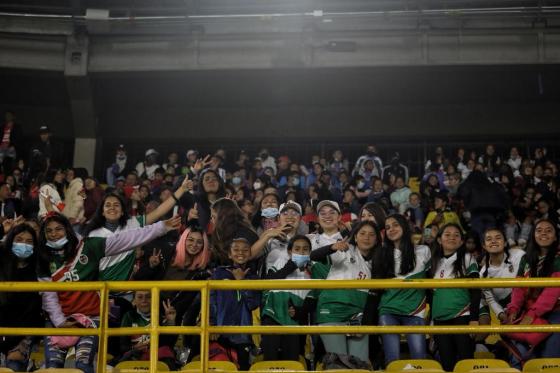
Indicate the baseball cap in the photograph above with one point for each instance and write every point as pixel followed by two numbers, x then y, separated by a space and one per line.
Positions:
pixel 291 205
pixel 330 203
pixel 44 129
pixel 151 152
pixel 191 152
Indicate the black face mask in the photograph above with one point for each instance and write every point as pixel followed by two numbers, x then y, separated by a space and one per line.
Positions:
pixel 264 156
pixel 370 153
pixel 547 178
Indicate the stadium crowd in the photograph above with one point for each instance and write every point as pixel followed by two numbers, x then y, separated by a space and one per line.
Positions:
pixel 267 216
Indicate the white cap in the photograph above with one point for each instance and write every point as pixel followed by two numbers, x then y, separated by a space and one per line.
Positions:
pixel 327 202
pixel 151 152
pixel 291 205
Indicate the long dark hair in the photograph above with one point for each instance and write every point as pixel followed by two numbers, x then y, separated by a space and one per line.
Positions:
pixel 377 211
pixel 533 252
pixel 359 226
pixel 44 252
pixel 202 194
pixel 384 258
pixel 459 264
pixel 98 220
pixel 487 256
pixel 9 260
pixel 229 220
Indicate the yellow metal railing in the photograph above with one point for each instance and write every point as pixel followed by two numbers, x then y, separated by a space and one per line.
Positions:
pixel 204 287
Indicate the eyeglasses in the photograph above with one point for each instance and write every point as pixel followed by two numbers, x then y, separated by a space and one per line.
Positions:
pixel 289 213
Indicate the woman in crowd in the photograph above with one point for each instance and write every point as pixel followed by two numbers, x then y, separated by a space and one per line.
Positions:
pixel 400 258
pixel 454 306
pixel 63 257
pixel 542 259
pixel 19 310
pixel 347 260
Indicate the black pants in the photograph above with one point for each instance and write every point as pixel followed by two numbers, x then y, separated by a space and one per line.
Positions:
pixel 279 346
pixel 243 355
pixel 454 347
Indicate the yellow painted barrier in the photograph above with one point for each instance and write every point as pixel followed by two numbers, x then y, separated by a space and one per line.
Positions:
pixel 204 287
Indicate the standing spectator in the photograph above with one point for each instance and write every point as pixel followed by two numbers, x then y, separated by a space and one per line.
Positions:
pixel 490 160
pixel 120 168
pixel 94 197
pixel 514 160
pixel 148 167
pixel 45 154
pixel 395 168
pixel 485 200
pixel 338 162
pixel 74 196
pixel 371 153
pixel 267 159
pixel 9 143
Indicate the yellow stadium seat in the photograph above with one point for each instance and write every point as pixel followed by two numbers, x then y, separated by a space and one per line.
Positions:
pixel 348 371
pixel 139 366
pixel 468 365
pixel 6 370
pixel 59 370
pixel 541 365
pixel 280 365
pixel 219 366
pixel 414 364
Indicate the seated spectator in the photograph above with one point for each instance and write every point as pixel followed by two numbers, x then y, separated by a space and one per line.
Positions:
pixel 137 347
pixel 442 215
pixel 399 197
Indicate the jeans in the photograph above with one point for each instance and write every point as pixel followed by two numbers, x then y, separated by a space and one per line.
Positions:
pixel 480 221
pixel 17 366
pixel 344 345
pixel 281 346
pixel 86 349
pixel 392 342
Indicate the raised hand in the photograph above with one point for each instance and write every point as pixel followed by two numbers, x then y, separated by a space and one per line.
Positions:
pixel 169 311
pixel 173 223
pixel 155 259
pixel 193 213
pixel 187 185
pixel 201 163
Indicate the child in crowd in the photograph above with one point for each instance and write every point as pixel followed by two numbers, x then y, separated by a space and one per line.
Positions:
pixel 287 307
pixel 137 347
pixel 235 307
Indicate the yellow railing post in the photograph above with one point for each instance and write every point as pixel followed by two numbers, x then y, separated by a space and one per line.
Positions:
pixel 204 323
pixel 103 326
pixel 154 329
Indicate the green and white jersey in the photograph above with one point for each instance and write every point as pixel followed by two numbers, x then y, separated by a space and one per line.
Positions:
pixel 407 302
pixel 276 302
pixel 341 305
pixel 448 304
pixel 320 270
pixel 118 267
pixel 496 298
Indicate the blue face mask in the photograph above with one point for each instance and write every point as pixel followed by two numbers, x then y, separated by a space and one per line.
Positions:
pixel 270 212
pixel 58 244
pixel 295 181
pixel 236 180
pixel 22 250
pixel 300 260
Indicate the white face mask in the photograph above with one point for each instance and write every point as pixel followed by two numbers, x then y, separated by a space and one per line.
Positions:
pixel 58 244
pixel 257 185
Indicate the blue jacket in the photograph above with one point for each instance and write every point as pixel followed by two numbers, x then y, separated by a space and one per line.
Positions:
pixel 233 307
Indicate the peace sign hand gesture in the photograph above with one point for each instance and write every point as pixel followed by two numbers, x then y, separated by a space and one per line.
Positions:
pixel 155 259
pixel 170 312
pixel 201 163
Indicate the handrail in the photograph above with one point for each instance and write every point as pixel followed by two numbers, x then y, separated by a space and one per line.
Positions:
pixel 204 287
